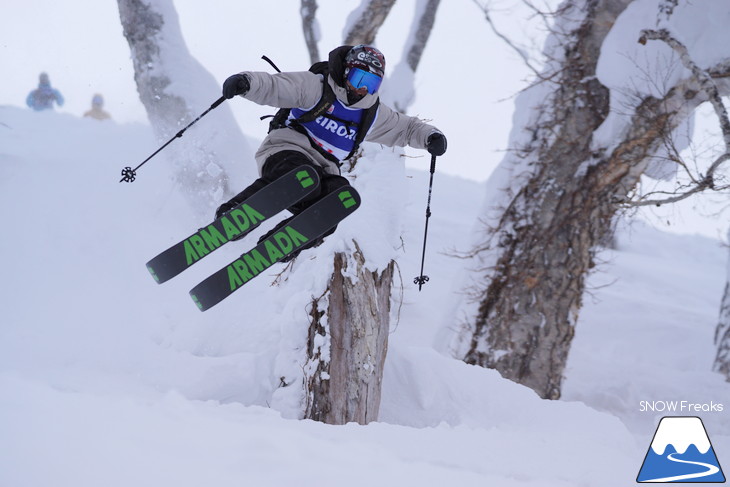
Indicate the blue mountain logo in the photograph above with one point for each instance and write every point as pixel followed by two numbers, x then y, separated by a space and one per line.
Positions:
pixel 681 452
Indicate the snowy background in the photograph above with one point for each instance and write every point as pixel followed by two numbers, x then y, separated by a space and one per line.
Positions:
pixel 109 379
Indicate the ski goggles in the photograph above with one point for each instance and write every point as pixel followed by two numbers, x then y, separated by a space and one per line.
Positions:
pixel 360 78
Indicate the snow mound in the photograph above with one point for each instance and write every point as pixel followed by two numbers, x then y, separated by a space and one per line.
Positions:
pixel 108 378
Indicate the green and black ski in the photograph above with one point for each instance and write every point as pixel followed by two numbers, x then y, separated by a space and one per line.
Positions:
pixel 262 205
pixel 306 227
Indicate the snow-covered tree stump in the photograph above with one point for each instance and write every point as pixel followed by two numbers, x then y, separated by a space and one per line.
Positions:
pixel 348 343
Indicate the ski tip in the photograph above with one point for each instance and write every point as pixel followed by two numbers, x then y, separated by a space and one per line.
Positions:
pixel 197 302
pixel 154 274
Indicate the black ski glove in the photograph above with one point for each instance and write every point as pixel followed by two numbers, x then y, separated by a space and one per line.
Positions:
pixel 225 208
pixel 436 144
pixel 237 84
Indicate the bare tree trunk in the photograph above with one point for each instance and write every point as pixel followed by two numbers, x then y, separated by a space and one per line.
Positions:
pixel 369 18
pixel 310 27
pixel 722 334
pixel 204 157
pixel 346 377
pixel 541 246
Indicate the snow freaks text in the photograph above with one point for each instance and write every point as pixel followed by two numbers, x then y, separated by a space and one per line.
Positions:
pixel 680 407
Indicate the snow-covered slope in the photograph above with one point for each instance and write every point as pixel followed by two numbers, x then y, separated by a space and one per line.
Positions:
pixel 109 379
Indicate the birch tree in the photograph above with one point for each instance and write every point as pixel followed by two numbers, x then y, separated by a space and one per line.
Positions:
pixel 174 88
pixel 575 162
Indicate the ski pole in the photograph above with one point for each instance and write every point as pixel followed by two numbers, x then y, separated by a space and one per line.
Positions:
pixel 422 279
pixel 129 174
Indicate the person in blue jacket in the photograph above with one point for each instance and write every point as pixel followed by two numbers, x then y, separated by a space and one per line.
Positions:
pixel 42 98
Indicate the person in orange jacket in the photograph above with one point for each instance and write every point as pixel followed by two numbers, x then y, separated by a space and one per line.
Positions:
pixel 97 112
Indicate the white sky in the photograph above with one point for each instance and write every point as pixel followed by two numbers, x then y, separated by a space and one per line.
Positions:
pixel 464 84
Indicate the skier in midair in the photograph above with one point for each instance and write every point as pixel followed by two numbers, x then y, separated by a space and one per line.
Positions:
pixel 321 133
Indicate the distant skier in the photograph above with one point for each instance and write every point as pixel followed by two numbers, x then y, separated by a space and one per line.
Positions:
pixel 97 109
pixel 42 98
pixel 327 112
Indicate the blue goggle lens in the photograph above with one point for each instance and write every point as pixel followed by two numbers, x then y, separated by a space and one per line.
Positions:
pixel 360 78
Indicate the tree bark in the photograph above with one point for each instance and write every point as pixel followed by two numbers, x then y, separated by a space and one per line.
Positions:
pixel 542 245
pixel 348 343
pixel 369 18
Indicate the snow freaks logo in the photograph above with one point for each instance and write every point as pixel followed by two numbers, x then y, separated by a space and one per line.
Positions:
pixel 681 452
pixel 680 407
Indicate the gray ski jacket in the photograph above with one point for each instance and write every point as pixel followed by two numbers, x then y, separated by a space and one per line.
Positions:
pixel 303 90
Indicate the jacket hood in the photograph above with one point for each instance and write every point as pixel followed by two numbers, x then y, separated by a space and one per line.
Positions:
pixel 337 80
pixel 337 64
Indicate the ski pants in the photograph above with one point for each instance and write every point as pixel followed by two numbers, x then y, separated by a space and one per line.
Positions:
pixel 281 163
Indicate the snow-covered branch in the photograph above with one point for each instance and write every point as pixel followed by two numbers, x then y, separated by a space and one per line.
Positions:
pixel 707 182
pixel 709 87
pixel 704 78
